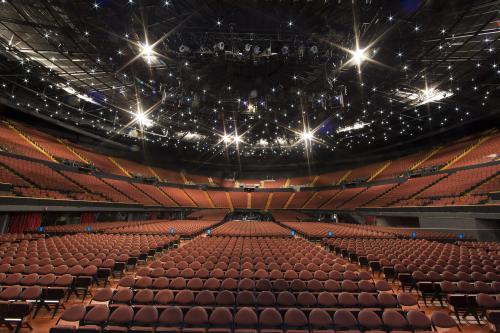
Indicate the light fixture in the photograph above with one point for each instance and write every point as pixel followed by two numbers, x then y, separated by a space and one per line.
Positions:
pixel 147 52
pixel 306 135
pixel 358 56
pixel 429 95
pixel 142 119
pixel 355 126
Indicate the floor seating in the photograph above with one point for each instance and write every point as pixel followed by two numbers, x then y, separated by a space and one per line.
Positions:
pixel 321 229
pixel 250 228
pixel 162 227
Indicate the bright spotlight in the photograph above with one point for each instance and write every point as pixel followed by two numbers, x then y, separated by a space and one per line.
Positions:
pixel 143 120
pixel 226 138
pixel 147 52
pixel 237 138
pixel 358 56
pixel 306 136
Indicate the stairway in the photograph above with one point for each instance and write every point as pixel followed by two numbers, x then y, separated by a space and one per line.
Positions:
pixel 432 153
pixel 80 157
pixel 132 200
pixel 468 150
pixel 32 142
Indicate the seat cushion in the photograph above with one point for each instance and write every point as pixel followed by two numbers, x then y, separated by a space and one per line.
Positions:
pixel 88 329
pixel 168 329
pixel 194 330
pixel 115 329
pixel 245 330
pixel 63 329
pixel 141 329
pixel 219 330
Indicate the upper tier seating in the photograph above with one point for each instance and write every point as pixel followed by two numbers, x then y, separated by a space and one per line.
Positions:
pixel 157 194
pixel 344 195
pixel 250 228
pixel 14 143
pixel 100 161
pixel 402 164
pixel 366 196
pixel 239 199
pixel 405 190
pixel 447 153
pixel 134 168
pixel 40 174
pixel 486 152
pixel 279 199
pixel 258 200
pixel 48 143
pixel 459 182
pixel 365 172
pixel 179 196
pixel 169 176
pixel 299 199
pixel 197 179
pixel 331 178
pixel 199 197
pixel 131 191
pixel 7 176
pixel 219 198
pixel 320 198
pixel 94 184
pixel 493 185
pixel 305 180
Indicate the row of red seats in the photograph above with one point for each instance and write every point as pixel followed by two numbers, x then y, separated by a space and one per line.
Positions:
pixel 196 319
pixel 162 227
pixel 321 229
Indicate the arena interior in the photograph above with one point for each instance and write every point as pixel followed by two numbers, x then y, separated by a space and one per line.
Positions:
pixel 252 166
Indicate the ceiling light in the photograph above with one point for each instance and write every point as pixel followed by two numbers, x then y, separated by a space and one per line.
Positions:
pixel 429 95
pixel 142 119
pixel 306 136
pixel 147 52
pixel 358 56
pixel 355 126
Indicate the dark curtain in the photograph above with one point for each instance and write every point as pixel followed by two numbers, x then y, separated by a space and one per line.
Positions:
pixel 21 222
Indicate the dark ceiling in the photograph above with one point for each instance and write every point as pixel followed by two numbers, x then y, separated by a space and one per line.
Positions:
pixel 240 82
